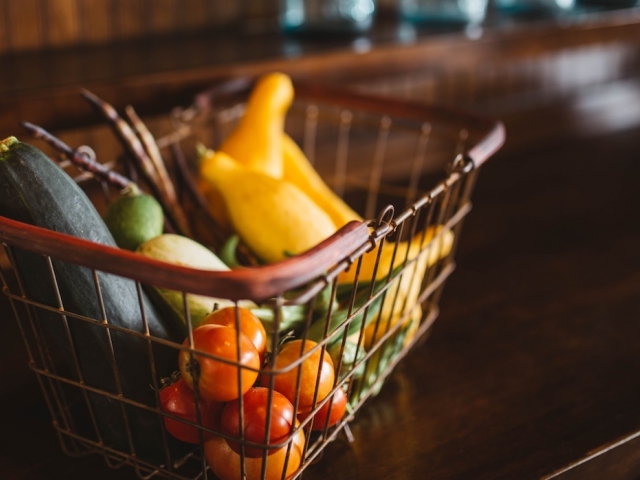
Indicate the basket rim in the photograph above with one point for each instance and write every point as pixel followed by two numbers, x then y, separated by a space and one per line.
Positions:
pixel 244 283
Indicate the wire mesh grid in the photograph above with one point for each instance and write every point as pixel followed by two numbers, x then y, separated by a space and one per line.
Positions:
pixel 358 302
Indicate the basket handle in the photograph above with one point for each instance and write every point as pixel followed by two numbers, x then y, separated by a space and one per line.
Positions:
pixel 250 283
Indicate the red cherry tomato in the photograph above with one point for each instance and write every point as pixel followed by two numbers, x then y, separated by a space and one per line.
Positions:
pixel 217 379
pixel 225 463
pixel 317 367
pixel 256 407
pixel 250 325
pixel 178 400
pixel 338 404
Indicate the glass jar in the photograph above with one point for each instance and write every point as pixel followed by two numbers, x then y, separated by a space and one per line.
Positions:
pixel 527 6
pixel 608 3
pixel 327 15
pixel 443 11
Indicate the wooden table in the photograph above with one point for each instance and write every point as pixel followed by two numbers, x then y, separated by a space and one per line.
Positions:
pixel 532 368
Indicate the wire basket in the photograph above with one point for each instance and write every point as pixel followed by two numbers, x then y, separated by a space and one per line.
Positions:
pixel 362 298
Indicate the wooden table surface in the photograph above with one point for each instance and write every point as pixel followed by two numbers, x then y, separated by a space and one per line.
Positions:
pixel 532 369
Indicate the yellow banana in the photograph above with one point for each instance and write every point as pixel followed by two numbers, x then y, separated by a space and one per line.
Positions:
pixel 273 217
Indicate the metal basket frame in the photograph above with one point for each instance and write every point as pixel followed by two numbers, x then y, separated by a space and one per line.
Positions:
pixel 295 281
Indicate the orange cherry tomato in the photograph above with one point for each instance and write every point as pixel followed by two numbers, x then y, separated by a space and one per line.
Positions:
pixel 250 325
pixel 225 463
pixel 217 380
pixel 325 418
pixel 317 367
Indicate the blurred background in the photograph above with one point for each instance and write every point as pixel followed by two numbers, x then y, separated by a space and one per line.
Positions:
pixel 493 56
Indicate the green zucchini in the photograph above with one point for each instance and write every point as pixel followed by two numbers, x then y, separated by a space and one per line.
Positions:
pixel 36 191
pixel 134 217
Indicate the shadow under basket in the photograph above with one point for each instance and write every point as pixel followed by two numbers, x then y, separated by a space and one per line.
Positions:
pixel 361 298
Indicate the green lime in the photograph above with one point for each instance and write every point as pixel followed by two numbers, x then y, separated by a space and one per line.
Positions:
pixel 134 218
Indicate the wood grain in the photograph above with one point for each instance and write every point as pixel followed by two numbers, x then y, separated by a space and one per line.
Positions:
pixel 64 23
pixel 133 18
pixel 164 16
pixel 195 15
pixel 97 20
pixel 31 25
pixel 26 25
pixel 5 32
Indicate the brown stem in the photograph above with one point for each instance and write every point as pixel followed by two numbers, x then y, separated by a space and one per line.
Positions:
pixel 135 148
pixel 153 152
pixel 124 132
pixel 81 159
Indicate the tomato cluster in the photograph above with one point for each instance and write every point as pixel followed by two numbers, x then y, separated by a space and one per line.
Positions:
pixel 243 415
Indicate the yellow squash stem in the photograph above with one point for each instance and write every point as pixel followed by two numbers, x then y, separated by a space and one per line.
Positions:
pixel 257 140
